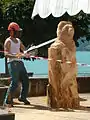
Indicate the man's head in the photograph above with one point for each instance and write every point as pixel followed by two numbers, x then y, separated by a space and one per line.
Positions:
pixel 14 29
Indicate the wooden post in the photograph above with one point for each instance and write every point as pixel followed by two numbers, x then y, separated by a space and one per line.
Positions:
pixel 62 89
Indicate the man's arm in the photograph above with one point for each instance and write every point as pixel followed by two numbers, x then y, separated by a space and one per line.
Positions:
pixel 22 47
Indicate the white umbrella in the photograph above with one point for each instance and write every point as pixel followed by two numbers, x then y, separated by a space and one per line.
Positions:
pixel 58 7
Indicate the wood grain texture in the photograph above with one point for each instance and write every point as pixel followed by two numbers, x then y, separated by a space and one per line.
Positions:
pixel 62 89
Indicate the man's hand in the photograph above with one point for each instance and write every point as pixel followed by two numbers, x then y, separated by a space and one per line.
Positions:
pixel 27 55
pixel 20 55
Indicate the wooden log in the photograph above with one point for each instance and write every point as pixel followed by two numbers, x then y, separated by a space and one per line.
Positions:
pixel 62 90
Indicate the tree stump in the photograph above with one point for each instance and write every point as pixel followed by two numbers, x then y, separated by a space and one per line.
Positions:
pixel 62 90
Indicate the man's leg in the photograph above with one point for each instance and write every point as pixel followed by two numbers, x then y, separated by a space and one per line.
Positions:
pixel 14 73
pixel 25 84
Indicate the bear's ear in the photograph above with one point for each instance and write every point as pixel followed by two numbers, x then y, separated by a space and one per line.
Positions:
pixel 62 24
pixel 60 27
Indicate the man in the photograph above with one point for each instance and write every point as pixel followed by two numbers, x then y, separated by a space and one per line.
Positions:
pixel 16 68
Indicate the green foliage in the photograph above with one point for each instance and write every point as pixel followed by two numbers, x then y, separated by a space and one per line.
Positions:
pixel 18 11
pixel 46 28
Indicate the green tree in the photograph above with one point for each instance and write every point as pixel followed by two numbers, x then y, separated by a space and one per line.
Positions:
pixel 18 11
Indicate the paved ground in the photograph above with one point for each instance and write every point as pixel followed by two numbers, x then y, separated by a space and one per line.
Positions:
pixel 38 110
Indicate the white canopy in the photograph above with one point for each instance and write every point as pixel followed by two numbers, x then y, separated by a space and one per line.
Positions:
pixel 58 7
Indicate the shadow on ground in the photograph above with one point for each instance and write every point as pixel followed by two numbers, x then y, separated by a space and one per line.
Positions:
pixel 41 107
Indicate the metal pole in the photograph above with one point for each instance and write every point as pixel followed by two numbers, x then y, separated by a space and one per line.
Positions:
pixel 40 45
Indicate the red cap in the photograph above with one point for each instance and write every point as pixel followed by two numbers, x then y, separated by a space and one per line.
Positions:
pixel 14 26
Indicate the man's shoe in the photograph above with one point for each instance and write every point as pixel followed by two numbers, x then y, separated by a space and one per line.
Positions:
pixel 26 102
pixel 7 105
